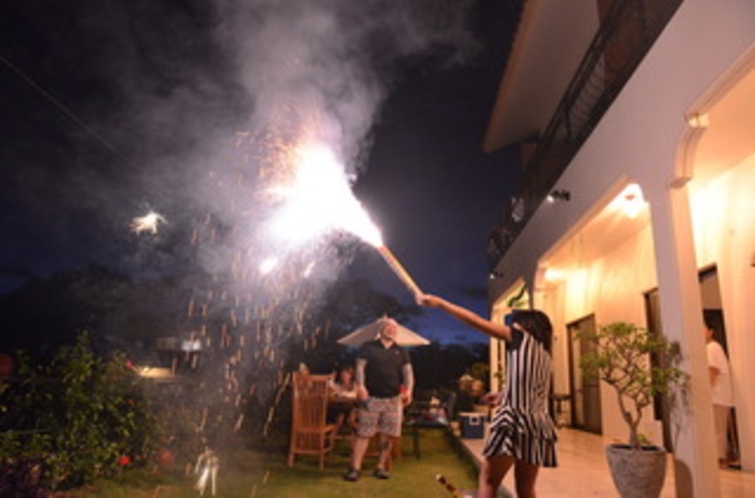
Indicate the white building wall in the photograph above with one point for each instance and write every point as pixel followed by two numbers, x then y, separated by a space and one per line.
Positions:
pixel 612 287
pixel 639 138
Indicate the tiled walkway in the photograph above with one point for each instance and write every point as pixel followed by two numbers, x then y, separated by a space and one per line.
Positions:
pixel 583 471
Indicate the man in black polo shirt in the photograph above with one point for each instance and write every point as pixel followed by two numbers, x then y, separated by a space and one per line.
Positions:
pixel 385 382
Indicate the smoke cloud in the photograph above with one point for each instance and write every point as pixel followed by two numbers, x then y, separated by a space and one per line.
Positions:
pixel 182 107
pixel 275 71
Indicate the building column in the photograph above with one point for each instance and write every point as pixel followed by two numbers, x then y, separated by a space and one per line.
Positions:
pixel 695 465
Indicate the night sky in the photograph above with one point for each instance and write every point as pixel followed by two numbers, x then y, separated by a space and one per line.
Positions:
pixel 110 109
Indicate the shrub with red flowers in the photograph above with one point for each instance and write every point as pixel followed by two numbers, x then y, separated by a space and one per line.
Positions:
pixel 76 419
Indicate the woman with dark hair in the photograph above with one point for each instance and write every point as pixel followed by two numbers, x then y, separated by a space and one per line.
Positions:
pixel 522 433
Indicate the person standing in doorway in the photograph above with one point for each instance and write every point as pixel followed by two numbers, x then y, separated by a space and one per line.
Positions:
pixel 522 433
pixel 721 392
pixel 385 383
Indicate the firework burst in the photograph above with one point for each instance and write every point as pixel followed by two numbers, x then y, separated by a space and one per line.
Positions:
pixel 147 223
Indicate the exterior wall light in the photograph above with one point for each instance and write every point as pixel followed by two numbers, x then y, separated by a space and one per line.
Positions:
pixel 554 275
pixel 559 195
pixel 632 201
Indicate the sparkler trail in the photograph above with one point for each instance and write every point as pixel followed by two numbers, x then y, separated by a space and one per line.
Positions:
pixel 241 317
pixel 207 467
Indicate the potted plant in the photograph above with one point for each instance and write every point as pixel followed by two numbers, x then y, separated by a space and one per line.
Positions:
pixel 479 372
pixel 472 385
pixel 622 359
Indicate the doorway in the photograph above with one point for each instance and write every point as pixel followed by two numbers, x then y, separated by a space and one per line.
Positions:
pixel 586 413
pixel 713 314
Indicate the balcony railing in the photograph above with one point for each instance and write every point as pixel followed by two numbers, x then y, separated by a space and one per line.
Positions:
pixel 626 34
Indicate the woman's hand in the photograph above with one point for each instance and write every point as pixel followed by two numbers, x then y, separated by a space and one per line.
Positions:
pixel 491 399
pixel 406 396
pixel 427 300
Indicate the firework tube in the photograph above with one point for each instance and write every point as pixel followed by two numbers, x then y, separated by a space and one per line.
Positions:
pixel 399 270
pixel 450 487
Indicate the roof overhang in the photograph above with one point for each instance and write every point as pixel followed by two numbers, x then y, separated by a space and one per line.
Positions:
pixel 549 43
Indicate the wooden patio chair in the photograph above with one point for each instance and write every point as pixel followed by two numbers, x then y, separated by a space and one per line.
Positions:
pixel 311 434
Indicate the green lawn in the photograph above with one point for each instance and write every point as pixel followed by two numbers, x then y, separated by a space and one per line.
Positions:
pixel 255 474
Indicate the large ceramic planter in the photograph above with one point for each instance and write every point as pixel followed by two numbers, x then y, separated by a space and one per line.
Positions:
pixel 637 473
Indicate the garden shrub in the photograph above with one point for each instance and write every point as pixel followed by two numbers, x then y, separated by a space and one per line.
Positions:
pixel 72 420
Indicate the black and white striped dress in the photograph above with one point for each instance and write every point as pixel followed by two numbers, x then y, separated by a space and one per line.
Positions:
pixel 522 427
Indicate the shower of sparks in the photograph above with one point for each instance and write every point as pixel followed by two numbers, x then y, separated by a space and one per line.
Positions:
pixel 268 265
pixel 262 297
pixel 308 270
pixel 207 469
pixel 319 200
pixel 147 223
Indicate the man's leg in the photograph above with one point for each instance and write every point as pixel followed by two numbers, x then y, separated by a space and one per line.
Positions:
pixel 720 417
pixel 386 444
pixel 357 455
pixel 389 427
pixel 365 431
pixel 360 448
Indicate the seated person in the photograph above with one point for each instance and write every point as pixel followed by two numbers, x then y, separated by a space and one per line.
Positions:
pixel 344 385
pixel 343 388
pixel 435 412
